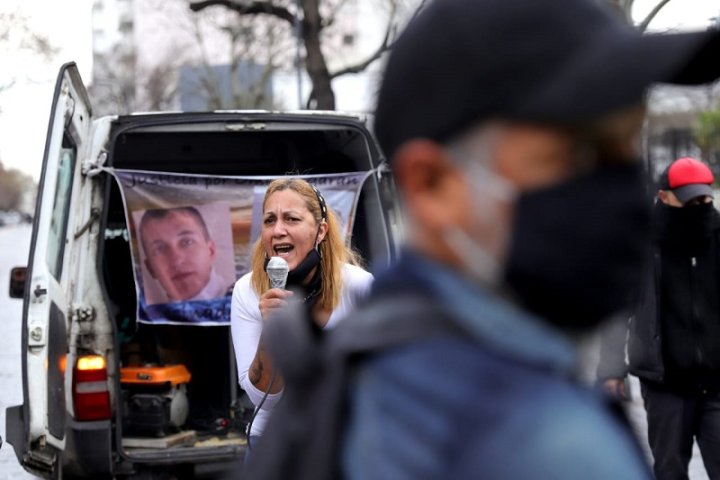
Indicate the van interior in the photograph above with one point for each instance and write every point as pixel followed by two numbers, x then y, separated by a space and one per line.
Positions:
pixel 218 411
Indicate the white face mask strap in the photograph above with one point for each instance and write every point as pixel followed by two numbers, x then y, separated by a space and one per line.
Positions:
pixel 487 182
pixel 491 192
pixel 477 261
pixel 472 153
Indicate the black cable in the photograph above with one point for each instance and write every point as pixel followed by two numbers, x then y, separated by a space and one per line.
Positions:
pixel 257 409
pixel 309 300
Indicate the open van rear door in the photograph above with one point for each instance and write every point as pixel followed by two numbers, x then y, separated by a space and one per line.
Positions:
pixel 36 429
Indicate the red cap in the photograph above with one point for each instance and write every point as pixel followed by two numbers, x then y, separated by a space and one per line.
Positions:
pixel 687 178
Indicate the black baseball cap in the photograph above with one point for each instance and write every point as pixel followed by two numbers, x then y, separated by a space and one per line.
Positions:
pixel 687 178
pixel 460 62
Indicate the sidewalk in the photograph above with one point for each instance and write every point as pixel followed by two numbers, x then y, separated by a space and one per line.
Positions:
pixel 636 414
pixel 589 357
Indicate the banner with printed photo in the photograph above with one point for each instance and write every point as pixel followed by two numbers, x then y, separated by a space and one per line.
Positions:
pixel 191 237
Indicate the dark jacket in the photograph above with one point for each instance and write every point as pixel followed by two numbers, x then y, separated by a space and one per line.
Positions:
pixel 677 303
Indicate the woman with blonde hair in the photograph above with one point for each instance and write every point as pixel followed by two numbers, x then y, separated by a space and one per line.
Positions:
pixel 298 227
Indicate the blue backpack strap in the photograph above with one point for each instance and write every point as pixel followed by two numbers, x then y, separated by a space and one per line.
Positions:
pixel 304 435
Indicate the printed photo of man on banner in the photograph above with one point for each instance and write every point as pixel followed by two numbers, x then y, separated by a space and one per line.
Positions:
pixel 191 236
pixel 181 259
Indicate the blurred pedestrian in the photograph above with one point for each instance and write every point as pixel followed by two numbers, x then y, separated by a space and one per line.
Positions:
pixel 674 342
pixel 512 129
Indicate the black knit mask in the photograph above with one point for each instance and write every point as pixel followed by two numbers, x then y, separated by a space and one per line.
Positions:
pixel 577 248
pixel 689 223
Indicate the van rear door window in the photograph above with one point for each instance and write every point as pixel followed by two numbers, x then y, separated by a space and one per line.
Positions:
pixel 61 204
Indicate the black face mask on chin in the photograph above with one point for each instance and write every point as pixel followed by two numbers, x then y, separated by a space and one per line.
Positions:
pixel 577 248
pixel 297 275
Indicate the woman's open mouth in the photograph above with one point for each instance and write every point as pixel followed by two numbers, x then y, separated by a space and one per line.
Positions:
pixel 283 249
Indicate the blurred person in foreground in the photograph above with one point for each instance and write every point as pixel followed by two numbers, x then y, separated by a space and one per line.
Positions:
pixel 298 227
pixel 674 334
pixel 512 130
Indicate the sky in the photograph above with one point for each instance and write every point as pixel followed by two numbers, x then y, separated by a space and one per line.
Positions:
pixel 25 107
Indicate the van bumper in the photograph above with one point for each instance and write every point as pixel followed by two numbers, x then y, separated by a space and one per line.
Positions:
pixel 87 446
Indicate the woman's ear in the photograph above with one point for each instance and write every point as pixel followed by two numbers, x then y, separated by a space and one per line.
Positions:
pixel 322 231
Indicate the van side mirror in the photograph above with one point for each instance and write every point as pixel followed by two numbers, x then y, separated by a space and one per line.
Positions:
pixel 17 282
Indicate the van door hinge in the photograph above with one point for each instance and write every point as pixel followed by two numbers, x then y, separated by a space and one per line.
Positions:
pixel 92 167
pixel 83 313
pixel 82 316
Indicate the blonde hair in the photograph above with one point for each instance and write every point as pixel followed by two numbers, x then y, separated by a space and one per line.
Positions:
pixel 333 251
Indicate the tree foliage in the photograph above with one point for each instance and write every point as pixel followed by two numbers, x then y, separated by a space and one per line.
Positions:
pixel 18 39
pixel 248 45
pixel 707 135
pixel 15 187
pixel 213 44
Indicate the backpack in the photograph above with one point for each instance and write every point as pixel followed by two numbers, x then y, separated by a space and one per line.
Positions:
pixel 303 438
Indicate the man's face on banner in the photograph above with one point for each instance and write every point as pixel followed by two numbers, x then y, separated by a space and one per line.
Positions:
pixel 179 254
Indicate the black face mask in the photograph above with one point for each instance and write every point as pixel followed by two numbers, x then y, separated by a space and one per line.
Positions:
pixel 577 248
pixel 297 275
pixel 683 224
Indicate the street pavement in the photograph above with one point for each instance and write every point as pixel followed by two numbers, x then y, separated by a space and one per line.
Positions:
pixel 14 245
pixel 636 414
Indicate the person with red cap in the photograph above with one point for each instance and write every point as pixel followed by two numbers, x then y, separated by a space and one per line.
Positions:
pixel 674 340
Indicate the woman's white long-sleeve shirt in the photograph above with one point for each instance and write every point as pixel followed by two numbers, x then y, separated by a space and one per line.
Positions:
pixel 246 326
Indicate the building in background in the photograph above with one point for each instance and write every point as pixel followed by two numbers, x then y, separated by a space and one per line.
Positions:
pixel 210 87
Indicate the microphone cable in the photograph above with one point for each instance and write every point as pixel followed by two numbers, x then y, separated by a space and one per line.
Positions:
pixel 248 429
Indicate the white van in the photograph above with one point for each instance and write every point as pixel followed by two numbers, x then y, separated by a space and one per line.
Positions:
pixel 111 387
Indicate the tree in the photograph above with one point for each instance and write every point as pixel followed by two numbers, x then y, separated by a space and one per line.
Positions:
pixel 15 186
pixel 17 38
pixel 193 55
pixel 113 87
pixel 253 52
pixel 115 77
pixel 707 135
pixel 312 22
